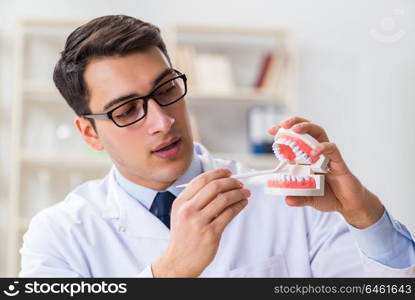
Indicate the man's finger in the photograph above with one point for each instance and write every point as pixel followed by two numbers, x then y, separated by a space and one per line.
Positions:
pixel 212 189
pixel 328 149
pixel 312 129
pixel 274 130
pixel 201 181
pixel 287 124
pixel 222 201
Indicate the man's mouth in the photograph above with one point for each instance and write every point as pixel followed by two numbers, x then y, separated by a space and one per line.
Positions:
pixel 168 149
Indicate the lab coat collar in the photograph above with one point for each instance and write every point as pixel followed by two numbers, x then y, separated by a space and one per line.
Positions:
pixel 141 194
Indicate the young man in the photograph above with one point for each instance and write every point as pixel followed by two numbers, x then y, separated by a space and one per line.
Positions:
pixel 116 74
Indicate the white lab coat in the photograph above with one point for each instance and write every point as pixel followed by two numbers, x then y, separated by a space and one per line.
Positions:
pixel 100 231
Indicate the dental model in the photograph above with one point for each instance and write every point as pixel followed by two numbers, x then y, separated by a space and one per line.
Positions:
pixel 300 176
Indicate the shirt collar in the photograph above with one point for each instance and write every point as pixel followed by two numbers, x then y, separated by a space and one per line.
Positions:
pixel 145 195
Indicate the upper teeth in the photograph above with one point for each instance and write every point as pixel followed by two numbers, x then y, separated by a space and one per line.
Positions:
pixel 298 152
pixel 286 177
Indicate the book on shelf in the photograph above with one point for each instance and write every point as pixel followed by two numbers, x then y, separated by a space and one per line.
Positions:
pixel 263 70
pixel 270 72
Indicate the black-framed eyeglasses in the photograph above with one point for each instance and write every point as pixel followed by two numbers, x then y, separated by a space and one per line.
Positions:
pixel 135 109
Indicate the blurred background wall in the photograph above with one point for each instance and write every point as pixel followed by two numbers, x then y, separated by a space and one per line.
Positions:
pixel 355 78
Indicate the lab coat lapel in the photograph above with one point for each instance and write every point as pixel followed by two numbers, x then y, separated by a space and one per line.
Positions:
pixel 135 219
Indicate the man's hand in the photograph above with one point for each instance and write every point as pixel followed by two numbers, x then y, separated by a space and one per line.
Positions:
pixel 343 191
pixel 198 218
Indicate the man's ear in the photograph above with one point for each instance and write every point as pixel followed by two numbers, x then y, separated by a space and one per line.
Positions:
pixel 88 133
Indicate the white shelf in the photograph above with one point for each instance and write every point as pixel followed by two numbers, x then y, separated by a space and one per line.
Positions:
pixel 65 160
pixel 228 35
pixel 239 94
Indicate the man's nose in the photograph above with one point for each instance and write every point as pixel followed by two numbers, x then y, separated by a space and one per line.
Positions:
pixel 158 121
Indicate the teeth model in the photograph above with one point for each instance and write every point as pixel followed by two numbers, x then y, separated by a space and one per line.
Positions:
pixel 300 177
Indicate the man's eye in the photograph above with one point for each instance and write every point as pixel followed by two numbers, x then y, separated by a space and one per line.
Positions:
pixel 166 90
pixel 169 89
pixel 126 113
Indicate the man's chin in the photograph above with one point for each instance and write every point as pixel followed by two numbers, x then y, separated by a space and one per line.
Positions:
pixel 171 166
pixel 173 172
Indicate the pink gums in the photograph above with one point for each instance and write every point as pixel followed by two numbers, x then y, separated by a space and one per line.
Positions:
pixel 286 151
pixel 289 154
pixel 305 184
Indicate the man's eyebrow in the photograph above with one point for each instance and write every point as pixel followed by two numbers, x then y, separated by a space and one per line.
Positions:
pixel 134 95
pixel 119 99
pixel 162 75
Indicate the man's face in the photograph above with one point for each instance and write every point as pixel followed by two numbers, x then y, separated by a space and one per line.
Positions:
pixel 133 149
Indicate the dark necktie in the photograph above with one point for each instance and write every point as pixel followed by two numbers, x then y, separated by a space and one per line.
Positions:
pixel 162 205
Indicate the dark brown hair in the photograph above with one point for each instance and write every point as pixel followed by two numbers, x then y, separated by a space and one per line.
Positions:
pixel 114 35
